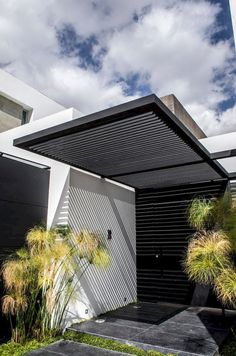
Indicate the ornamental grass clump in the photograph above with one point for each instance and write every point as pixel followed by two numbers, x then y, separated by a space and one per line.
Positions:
pixel 208 252
pixel 209 258
pixel 41 279
pixel 225 287
pixel 100 258
pixel 200 213
pixel 88 243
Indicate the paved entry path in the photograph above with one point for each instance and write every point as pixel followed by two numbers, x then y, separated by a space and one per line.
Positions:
pixel 184 331
pixel 71 348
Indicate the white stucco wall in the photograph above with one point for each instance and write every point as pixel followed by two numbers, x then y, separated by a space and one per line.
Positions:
pixel 94 204
pixel 28 97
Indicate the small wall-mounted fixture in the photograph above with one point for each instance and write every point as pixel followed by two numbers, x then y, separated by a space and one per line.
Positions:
pixel 109 235
pixel 86 311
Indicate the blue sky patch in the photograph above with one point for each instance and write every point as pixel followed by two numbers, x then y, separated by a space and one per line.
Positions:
pixel 74 45
pixel 133 83
pixel 224 22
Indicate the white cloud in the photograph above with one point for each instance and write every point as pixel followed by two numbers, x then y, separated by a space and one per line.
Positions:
pixel 175 52
pixel 213 123
pixel 84 87
pixel 169 47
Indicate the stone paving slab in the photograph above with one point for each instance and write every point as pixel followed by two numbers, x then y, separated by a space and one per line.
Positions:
pixel 109 329
pixel 192 331
pixel 154 338
pixel 125 322
pixel 71 348
pixel 152 313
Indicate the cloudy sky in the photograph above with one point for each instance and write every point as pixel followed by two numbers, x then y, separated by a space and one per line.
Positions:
pixel 92 54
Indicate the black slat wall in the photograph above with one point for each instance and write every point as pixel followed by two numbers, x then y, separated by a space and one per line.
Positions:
pixel 23 201
pixel 23 204
pixel 162 235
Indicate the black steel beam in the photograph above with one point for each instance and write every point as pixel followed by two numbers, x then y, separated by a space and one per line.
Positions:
pixel 97 119
pixel 223 154
pixel 232 175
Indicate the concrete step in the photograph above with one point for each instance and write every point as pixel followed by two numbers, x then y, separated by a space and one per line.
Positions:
pixel 71 348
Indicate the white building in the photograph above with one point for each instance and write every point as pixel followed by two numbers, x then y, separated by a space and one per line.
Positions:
pixel 142 145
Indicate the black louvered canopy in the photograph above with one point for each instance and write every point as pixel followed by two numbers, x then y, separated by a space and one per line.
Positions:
pixel 139 143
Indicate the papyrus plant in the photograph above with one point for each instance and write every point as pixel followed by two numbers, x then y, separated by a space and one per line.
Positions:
pixel 41 278
pixel 209 258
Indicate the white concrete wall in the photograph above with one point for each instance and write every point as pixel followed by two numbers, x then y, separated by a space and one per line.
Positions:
pixel 31 99
pixel 94 204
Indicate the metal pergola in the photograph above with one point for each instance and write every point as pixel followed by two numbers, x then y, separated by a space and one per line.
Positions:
pixel 140 143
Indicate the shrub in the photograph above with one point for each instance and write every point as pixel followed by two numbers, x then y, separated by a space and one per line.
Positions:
pixel 209 255
pixel 41 279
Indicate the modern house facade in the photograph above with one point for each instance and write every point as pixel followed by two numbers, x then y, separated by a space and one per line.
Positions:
pixel 127 173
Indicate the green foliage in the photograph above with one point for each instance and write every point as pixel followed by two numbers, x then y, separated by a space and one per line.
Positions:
pixel 225 286
pixel 41 279
pixel 214 214
pixel 200 213
pixel 209 255
pixel 100 258
pixel 63 230
pixel 109 344
pixel 208 252
pixel 17 349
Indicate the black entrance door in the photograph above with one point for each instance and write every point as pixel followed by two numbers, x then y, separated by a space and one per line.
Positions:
pixel 162 232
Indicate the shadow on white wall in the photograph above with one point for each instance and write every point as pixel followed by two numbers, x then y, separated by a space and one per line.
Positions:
pixel 98 206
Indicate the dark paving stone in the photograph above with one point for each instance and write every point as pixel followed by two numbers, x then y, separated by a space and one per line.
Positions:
pixel 152 313
pixel 205 319
pixel 42 352
pixel 165 327
pixel 212 335
pixel 163 307
pixel 140 316
pixel 164 350
pixel 187 318
pixel 125 322
pixel 210 320
pixel 70 348
pixel 107 329
pixel 189 343
pixel 210 311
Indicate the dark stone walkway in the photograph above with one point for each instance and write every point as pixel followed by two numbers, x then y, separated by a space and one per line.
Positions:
pixel 70 348
pixel 185 331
